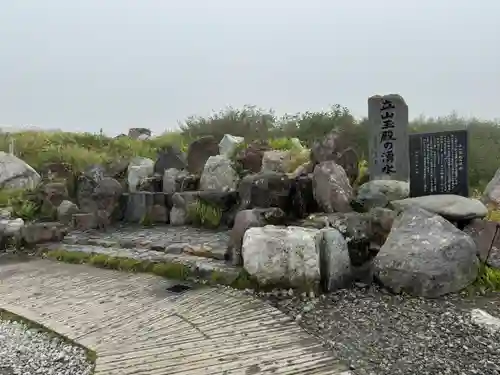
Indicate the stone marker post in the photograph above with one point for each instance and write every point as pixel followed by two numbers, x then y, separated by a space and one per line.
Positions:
pixel 388 122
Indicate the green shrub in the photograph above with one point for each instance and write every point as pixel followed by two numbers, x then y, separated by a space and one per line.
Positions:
pixel 205 215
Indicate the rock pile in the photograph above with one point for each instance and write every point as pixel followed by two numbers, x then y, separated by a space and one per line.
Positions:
pixel 314 226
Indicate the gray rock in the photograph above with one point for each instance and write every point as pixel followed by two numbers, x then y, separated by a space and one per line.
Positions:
pixel 257 217
pixel 264 190
pixel 335 264
pixel 491 193
pixel 199 151
pixel 65 211
pixel 378 193
pixel 219 175
pixel 228 144
pixel 452 207
pixel 16 174
pixel 170 180
pixel 138 205
pixel 274 161
pixel 425 255
pixel 138 170
pixel 285 256
pixel 331 187
pixel 169 157
pixel 179 210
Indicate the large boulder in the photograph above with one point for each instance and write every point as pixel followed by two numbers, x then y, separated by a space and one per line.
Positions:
pixel 245 219
pixel 285 256
pixel 16 174
pixel 228 144
pixel 265 190
pixel 378 193
pixel 452 207
pixel 331 187
pixel 199 151
pixel 219 174
pixel 169 157
pixel 425 255
pixel 139 169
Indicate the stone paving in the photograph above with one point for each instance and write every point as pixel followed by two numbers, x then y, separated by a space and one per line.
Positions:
pixel 138 327
pixel 174 240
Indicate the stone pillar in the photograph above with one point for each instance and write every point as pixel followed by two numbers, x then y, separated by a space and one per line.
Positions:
pixel 388 122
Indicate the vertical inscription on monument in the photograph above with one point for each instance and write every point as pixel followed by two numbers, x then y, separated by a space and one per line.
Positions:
pixel 388 121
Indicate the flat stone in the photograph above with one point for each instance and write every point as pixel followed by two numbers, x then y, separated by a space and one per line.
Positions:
pixel 453 207
pixel 193 241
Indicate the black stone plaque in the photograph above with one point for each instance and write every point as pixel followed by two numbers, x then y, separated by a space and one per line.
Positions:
pixel 438 163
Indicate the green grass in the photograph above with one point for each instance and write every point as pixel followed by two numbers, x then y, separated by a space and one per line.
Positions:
pixel 488 279
pixel 204 214
pixel 11 317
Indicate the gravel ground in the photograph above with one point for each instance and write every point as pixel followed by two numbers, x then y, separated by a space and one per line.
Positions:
pixel 28 351
pixel 379 333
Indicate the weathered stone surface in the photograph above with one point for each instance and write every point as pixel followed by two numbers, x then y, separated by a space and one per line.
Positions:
pixel 36 233
pixel 389 144
pixel 335 264
pixel 16 174
pixel 274 161
pixel 218 174
pixel 334 147
pixel 487 238
pixel 52 194
pixel 378 193
pixel 159 214
pixel 107 196
pixel 180 204
pixel 327 148
pixel 452 207
pixel 138 204
pixel 172 179
pixel 257 217
pixel 250 158
pixel 65 211
pixel 425 255
pixel 199 151
pixel 139 169
pixel 331 187
pixel 286 256
pixel 228 144
pixel 491 193
pixel 84 221
pixel 265 190
pixel 169 157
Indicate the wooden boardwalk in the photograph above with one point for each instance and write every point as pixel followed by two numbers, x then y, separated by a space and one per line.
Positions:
pixel 137 327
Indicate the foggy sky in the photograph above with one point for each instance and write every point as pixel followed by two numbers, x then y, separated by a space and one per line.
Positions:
pixel 115 64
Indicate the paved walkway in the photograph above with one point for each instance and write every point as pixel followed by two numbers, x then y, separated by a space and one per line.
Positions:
pixel 137 327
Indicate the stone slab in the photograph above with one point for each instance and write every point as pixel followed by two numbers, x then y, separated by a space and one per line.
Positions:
pixel 169 239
